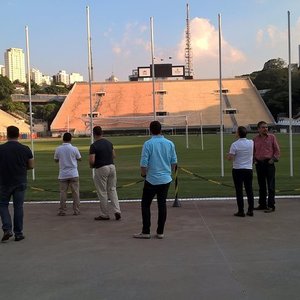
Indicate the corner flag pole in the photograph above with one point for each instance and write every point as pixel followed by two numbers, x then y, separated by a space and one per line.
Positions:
pixel 290 100
pixel 176 202
pixel 221 97
pixel 29 94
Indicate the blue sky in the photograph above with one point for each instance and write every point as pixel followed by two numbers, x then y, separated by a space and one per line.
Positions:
pixel 254 31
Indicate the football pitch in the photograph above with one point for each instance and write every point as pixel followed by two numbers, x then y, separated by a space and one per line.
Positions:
pixel 199 171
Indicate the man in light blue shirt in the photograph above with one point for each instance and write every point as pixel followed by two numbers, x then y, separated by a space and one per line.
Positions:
pixel 158 159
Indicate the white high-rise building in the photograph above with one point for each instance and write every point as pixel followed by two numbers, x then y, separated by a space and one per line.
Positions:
pixel 63 77
pixel 36 76
pixel 2 70
pixel 75 77
pixel 15 64
pixel 46 79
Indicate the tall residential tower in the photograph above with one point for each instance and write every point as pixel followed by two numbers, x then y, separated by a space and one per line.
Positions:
pixel 15 64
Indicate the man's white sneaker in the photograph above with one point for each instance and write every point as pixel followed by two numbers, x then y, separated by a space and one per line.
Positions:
pixel 142 236
pixel 159 236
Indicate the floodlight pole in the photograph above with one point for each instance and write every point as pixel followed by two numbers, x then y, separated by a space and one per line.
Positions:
pixel 90 70
pixel 29 95
pixel 221 97
pixel 153 70
pixel 290 100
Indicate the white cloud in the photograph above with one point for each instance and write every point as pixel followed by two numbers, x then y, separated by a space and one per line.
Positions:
pixel 132 40
pixel 259 36
pixel 275 40
pixel 205 49
pixel 116 49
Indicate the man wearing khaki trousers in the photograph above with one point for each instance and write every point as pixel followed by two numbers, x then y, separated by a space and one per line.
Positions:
pixel 105 178
pixel 67 156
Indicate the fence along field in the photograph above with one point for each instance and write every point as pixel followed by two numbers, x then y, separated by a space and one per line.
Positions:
pixel 199 172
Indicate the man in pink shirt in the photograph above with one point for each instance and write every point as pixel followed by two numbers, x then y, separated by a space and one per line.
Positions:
pixel 266 152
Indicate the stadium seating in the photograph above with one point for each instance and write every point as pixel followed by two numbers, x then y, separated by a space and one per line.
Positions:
pixel 196 99
pixel 8 120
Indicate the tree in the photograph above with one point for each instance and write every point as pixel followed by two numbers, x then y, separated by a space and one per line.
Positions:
pixel 274 64
pixel 6 88
pixel 46 112
pixel 274 78
pixel 55 89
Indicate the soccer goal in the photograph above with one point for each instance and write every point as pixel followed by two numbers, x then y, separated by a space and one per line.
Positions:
pixel 172 125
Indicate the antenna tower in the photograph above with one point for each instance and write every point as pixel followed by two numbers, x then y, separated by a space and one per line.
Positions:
pixel 188 47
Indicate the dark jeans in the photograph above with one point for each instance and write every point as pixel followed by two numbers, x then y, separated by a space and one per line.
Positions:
pixel 17 192
pixel 149 192
pixel 266 179
pixel 243 177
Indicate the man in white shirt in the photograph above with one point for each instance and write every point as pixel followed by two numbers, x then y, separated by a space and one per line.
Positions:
pixel 67 156
pixel 241 153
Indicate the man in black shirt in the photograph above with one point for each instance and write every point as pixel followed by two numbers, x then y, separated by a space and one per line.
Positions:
pixel 101 158
pixel 15 160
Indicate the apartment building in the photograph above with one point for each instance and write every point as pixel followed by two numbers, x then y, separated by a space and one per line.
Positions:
pixel 75 77
pixel 36 76
pixel 2 70
pixel 15 64
pixel 63 77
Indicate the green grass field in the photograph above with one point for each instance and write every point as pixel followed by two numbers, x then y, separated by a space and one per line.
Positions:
pixel 204 163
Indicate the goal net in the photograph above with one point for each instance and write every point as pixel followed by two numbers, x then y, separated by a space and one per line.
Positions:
pixel 176 124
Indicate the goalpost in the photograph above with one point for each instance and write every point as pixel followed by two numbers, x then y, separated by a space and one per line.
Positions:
pixel 171 124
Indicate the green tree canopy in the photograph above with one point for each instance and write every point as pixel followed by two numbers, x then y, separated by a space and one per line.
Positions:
pixel 274 78
pixel 274 64
pixel 6 88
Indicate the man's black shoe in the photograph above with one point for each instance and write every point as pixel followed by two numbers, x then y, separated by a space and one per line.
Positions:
pixel 260 207
pixel 117 216
pixel 239 214
pixel 6 236
pixel 100 218
pixel 19 238
pixel 250 213
pixel 270 209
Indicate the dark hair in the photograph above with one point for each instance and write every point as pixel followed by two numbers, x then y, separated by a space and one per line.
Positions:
pixel 155 127
pixel 97 130
pixel 261 123
pixel 67 137
pixel 242 131
pixel 12 132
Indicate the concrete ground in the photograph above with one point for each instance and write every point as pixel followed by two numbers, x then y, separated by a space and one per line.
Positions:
pixel 206 254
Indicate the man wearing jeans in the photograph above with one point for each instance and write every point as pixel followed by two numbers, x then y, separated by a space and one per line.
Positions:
pixel 158 159
pixel 67 156
pixel 101 158
pixel 15 160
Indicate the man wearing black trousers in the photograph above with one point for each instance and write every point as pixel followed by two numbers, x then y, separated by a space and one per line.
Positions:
pixel 241 153
pixel 158 159
pixel 266 153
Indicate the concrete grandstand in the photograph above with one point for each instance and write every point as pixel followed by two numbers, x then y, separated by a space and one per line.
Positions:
pixel 198 100
pixel 9 120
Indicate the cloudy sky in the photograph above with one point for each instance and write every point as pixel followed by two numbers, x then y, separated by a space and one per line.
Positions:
pixel 253 32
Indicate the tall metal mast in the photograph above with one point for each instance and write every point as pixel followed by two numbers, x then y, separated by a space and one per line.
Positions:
pixel 188 48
